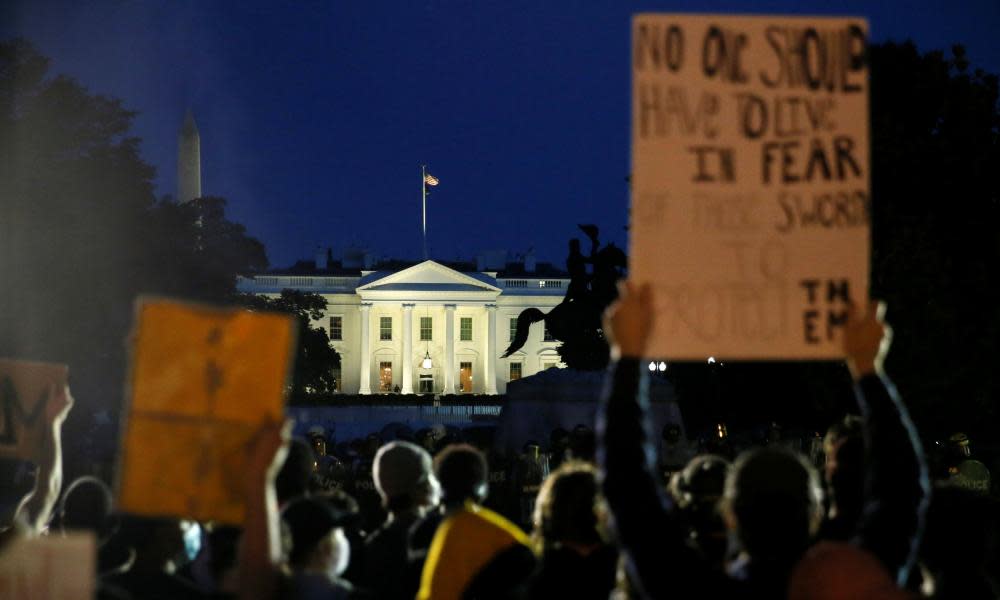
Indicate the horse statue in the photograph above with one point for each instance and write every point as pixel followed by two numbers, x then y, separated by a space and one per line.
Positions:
pixel 576 321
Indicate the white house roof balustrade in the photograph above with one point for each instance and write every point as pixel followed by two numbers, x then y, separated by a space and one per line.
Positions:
pixel 273 284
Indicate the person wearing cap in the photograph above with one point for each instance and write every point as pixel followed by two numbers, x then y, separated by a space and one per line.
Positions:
pixel 328 472
pixel 406 484
pixel 319 550
pixel 964 470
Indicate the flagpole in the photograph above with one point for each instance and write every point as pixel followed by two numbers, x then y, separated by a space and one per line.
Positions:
pixel 423 189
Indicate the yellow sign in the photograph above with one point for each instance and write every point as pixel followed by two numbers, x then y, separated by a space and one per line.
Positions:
pixel 750 187
pixel 202 381
pixel 23 389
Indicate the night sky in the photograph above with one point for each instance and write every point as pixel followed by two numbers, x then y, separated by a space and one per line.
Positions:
pixel 316 116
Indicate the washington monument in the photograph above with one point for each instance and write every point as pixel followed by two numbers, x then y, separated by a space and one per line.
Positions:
pixel 188 161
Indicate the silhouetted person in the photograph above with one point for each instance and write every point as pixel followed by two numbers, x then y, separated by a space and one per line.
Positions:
pixel 87 505
pixel 772 502
pixel 844 475
pixel 160 553
pixel 961 533
pixel 582 443
pixel 475 553
pixel 328 472
pixel 296 472
pixel 675 451
pixel 575 560
pixel 697 489
pixel 962 468
pixel 319 552
pixel 558 447
pixel 406 483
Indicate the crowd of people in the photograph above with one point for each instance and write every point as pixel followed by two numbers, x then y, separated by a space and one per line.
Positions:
pixel 603 511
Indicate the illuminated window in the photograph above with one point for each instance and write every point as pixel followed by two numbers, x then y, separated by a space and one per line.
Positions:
pixel 465 329
pixel 336 328
pixel 515 371
pixel 426 329
pixel 385 328
pixel 513 328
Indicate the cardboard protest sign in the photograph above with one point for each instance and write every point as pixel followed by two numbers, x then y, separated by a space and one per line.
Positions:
pixel 49 568
pixel 202 381
pixel 23 389
pixel 750 187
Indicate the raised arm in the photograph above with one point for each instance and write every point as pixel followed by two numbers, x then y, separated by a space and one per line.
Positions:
pixel 260 545
pixel 650 536
pixel 897 489
pixel 36 508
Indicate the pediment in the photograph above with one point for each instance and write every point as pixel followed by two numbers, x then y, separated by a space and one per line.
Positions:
pixel 429 276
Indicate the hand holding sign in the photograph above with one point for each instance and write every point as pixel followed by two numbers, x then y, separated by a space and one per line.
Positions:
pixel 866 340
pixel 628 322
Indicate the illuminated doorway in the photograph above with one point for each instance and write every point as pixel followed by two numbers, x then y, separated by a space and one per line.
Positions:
pixel 385 376
pixel 426 384
pixel 465 377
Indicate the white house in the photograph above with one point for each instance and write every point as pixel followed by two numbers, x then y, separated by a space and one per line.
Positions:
pixel 385 324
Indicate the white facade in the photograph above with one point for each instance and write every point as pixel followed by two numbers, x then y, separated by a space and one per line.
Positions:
pixel 386 317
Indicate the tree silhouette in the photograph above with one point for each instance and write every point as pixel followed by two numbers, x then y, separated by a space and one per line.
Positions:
pixel 936 214
pixel 81 232
pixel 315 358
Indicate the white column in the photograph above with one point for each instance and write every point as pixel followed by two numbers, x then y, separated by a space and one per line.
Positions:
pixel 490 355
pixel 366 350
pixel 449 349
pixel 407 359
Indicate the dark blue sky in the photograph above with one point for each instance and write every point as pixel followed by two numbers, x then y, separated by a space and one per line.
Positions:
pixel 316 116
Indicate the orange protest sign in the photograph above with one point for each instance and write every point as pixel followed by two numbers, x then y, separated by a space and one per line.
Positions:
pixel 23 389
pixel 202 381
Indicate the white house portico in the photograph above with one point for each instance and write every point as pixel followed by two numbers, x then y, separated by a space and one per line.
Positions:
pixel 386 324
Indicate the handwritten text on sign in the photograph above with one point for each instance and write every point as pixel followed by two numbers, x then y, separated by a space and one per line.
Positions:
pixel 750 194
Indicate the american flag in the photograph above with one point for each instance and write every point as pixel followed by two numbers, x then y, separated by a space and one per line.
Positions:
pixel 430 179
